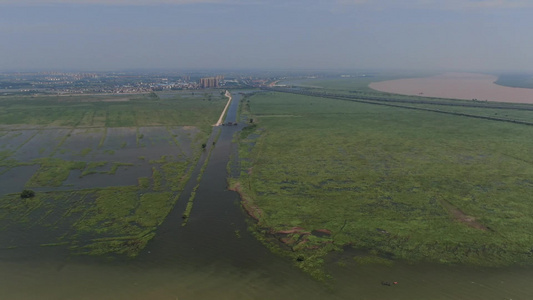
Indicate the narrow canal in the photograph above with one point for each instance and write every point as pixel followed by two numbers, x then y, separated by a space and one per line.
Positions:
pixel 215 257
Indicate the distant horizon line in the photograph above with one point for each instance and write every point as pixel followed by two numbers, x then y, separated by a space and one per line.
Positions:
pixel 350 71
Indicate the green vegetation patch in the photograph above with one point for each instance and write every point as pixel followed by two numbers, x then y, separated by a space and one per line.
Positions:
pixel 114 220
pixel 90 111
pixel 5 154
pixel 85 151
pixel 157 179
pixel 129 246
pixel 144 182
pixel 122 221
pixel 110 212
pixel 381 178
pixel 92 167
pixel 96 168
pixel 53 171
pixel 116 165
pixel 14 209
pixel 176 174
pixel 153 208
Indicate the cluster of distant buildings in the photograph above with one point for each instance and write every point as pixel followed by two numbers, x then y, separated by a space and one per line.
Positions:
pixel 210 82
pixel 186 83
pixel 121 83
pixel 126 82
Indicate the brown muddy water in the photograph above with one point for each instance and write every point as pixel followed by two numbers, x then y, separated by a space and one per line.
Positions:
pixel 465 86
pixel 215 257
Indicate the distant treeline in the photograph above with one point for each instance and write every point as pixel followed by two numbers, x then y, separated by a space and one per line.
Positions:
pixel 15 85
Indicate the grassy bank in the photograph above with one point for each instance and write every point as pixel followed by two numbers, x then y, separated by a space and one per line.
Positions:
pixel 398 183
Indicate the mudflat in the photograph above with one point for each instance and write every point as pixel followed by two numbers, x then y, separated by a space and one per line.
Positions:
pixel 456 86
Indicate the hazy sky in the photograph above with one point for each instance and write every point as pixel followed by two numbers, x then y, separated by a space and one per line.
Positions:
pixel 274 34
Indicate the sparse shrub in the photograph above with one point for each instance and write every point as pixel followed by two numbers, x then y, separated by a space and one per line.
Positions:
pixel 27 194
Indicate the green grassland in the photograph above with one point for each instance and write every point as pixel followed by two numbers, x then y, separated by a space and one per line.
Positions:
pixel 110 220
pixel 357 87
pixel 397 183
pixel 512 113
pixel 357 84
pixel 110 111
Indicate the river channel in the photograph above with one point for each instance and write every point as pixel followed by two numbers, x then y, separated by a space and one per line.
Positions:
pixel 215 257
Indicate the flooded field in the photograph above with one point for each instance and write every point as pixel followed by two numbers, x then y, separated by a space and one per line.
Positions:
pixel 131 148
pixel 466 86
pixel 215 256
pixel 104 173
pixel 98 190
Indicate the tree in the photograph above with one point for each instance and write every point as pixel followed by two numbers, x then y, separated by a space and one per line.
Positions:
pixel 27 194
pixel 153 96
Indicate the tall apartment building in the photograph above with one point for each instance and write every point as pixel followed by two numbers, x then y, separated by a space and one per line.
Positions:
pixel 210 82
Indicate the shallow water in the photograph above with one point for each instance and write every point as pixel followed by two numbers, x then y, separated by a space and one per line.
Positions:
pixel 215 257
pixel 40 145
pixel 14 179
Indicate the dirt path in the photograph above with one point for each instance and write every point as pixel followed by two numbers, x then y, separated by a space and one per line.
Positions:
pixel 220 120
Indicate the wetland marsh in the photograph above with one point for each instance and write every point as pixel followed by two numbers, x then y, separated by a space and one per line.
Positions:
pixel 106 173
pixel 321 174
pixel 403 184
pixel 352 194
